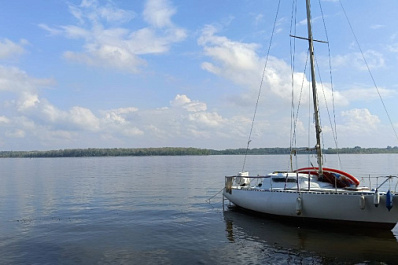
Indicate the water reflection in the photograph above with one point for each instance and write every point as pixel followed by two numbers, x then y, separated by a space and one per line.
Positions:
pixel 323 244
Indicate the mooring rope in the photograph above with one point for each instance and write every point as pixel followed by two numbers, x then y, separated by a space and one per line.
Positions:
pixel 212 197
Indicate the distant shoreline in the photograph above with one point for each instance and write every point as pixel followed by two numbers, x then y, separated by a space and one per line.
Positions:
pixel 183 151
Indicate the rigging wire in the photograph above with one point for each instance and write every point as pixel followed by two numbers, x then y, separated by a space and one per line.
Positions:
pixel 326 102
pixel 292 62
pixel 299 101
pixel 370 72
pixel 334 128
pixel 261 85
pixel 309 112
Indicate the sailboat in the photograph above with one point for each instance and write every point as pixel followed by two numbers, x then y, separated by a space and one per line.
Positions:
pixel 315 193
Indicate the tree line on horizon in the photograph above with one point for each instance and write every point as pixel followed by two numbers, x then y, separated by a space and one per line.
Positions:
pixel 182 151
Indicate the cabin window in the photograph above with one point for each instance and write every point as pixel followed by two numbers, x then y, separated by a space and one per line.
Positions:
pixel 293 180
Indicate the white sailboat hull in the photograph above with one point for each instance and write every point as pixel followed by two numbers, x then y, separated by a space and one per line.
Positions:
pixel 349 206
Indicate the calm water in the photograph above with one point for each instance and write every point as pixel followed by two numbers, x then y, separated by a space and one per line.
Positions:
pixel 155 210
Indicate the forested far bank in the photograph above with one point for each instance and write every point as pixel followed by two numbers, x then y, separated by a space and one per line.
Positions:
pixel 182 151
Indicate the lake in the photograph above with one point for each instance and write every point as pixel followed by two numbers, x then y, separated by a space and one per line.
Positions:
pixel 156 210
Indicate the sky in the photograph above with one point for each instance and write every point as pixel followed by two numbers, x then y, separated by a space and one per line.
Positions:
pixel 187 73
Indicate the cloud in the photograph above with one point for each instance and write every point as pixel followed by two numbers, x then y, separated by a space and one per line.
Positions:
pixel 360 121
pixel 120 121
pixel 377 26
pixel 93 11
pixel 4 120
pixel 207 119
pixel 367 94
pixel 240 63
pixel 35 121
pixel 393 47
pixel 314 20
pixel 360 127
pixel 374 59
pixel 158 13
pixel 83 118
pixel 23 87
pixel 108 57
pixel 26 110
pixel 9 49
pixel 227 54
pixel 184 121
pixel 31 118
pixel 75 119
pixel 108 45
pixel 18 133
pixel 184 102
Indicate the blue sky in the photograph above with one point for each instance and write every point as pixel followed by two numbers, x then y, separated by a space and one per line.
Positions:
pixel 126 74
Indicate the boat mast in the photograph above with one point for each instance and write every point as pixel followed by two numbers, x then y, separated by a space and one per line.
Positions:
pixel 318 129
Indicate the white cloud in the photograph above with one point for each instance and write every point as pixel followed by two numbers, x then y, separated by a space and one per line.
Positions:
pixel 180 100
pixel 207 119
pixel 132 132
pixel 117 116
pixel 33 119
pixel 51 31
pixel 24 88
pixel 360 121
pixel 393 47
pixel 227 54
pixel 83 118
pixel 186 103
pixel 27 111
pixel 108 56
pixel 75 119
pixel 116 47
pixel 120 122
pixel 71 31
pixel 240 63
pixel 367 94
pixel 258 19
pixel 183 122
pixel 374 60
pixel 377 26
pixel 360 127
pixel 18 133
pixel 94 11
pixel 113 14
pixel 4 120
pixel 183 119
pixel 313 21
pixel 120 112
pixel 149 41
pixel 158 13
pixel 11 49
pixel 50 113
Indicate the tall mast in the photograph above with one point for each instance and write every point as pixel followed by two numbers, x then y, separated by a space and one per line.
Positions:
pixel 318 129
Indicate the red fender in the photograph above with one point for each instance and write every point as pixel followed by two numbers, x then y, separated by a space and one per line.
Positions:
pixel 314 170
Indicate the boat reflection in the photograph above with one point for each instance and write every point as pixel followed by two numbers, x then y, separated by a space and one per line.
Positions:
pixel 340 244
